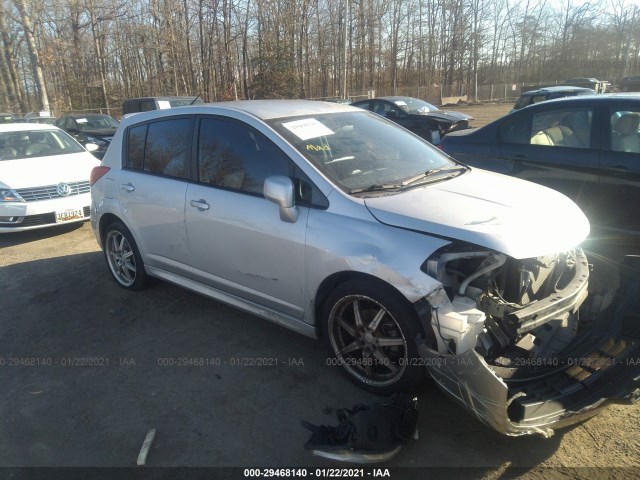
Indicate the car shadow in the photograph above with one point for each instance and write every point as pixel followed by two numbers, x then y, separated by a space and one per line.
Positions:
pixel 9 239
pixel 95 366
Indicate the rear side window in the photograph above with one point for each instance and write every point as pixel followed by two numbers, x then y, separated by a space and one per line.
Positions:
pixel 135 147
pixel 161 147
pixel 625 131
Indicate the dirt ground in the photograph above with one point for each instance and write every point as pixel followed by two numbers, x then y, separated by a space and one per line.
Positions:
pixel 483 113
pixel 87 368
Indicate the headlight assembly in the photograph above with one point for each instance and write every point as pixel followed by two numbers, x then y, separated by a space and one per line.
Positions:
pixel 8 195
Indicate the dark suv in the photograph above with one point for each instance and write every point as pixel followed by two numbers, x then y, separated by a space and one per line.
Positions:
pixel 630 84
pixel 146 104
pixel 549 93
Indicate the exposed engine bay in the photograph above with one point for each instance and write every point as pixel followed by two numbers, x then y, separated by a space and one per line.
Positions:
pixel 512 312
pixel 516 344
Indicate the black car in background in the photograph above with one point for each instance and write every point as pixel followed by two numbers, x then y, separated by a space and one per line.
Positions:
pixel 630 84
pixel 549 93
pixel 146 104
pixel 90 128
pixel 7 118
pixel 422 118
pixel 586 147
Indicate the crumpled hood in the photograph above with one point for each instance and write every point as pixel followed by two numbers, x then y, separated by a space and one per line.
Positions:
pixel 49 170
pixel 512 216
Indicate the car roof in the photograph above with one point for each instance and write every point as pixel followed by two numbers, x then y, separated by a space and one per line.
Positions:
pixel 556 89
pixel 185 97
pixel 263 109
pixel 599 98
pixel 21 127
pixel 399 97
pixel 85 115
pixel 580 100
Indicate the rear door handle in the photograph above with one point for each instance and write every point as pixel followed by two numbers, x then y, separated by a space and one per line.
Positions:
pixel 201 205
pixel 127 187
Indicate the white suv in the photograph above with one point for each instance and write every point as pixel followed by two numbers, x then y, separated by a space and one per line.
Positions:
pixel 334 222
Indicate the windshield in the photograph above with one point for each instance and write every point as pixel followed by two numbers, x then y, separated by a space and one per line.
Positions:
pixel 36 143
pixel 360 149
pixel 414 105
pixel 96 122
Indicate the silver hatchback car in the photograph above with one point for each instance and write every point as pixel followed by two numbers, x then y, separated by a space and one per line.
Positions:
pixel 336 223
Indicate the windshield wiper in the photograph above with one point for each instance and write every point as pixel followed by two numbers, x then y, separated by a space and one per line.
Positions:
pixel 376 187
pixel 431 173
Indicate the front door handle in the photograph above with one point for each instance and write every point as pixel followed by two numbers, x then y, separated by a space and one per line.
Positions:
pixel 201 205
pixel 127 187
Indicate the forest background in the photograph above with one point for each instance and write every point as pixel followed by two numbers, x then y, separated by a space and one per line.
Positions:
pixel 89 55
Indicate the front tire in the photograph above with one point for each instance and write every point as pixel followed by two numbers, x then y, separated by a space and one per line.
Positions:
pixel 370 330
pixel 123 258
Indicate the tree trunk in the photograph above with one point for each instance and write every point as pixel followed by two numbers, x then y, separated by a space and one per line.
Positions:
pixel 38 76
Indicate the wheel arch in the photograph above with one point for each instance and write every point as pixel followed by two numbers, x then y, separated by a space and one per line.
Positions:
pixel 106 220
pixel 334 280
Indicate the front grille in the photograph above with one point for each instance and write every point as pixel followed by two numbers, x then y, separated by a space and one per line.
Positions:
pixel 35 220
pixel 40 219
pixel 50 191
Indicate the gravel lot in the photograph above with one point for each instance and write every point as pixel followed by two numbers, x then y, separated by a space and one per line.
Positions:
pixel 87 368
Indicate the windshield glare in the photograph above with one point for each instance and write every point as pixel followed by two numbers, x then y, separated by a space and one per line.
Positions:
pixel 360 149
pixel 36 143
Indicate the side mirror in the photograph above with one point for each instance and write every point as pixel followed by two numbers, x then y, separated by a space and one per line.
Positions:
pixel 279 190
pixel 91 147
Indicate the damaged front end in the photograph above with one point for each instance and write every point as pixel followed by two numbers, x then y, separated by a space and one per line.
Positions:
pixel 515 342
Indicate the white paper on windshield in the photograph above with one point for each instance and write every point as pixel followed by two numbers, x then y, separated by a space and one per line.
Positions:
pixel 401 103
pixel 307 128
pixel 81 120
pixel 162 104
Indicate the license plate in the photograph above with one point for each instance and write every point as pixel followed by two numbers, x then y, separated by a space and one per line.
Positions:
pixel 68 215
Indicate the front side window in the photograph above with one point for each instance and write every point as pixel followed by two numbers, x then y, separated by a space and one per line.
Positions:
pixel 561 128
pixel 160 147
pixel 235 156
pixel 625 131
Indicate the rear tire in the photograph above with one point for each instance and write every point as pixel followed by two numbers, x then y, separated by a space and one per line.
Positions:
pixel 123 258
pixel 370 330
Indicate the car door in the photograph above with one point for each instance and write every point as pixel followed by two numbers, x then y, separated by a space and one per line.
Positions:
pixel 556 147
pixel 237 242
pixel 620 161
pixel 152 186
